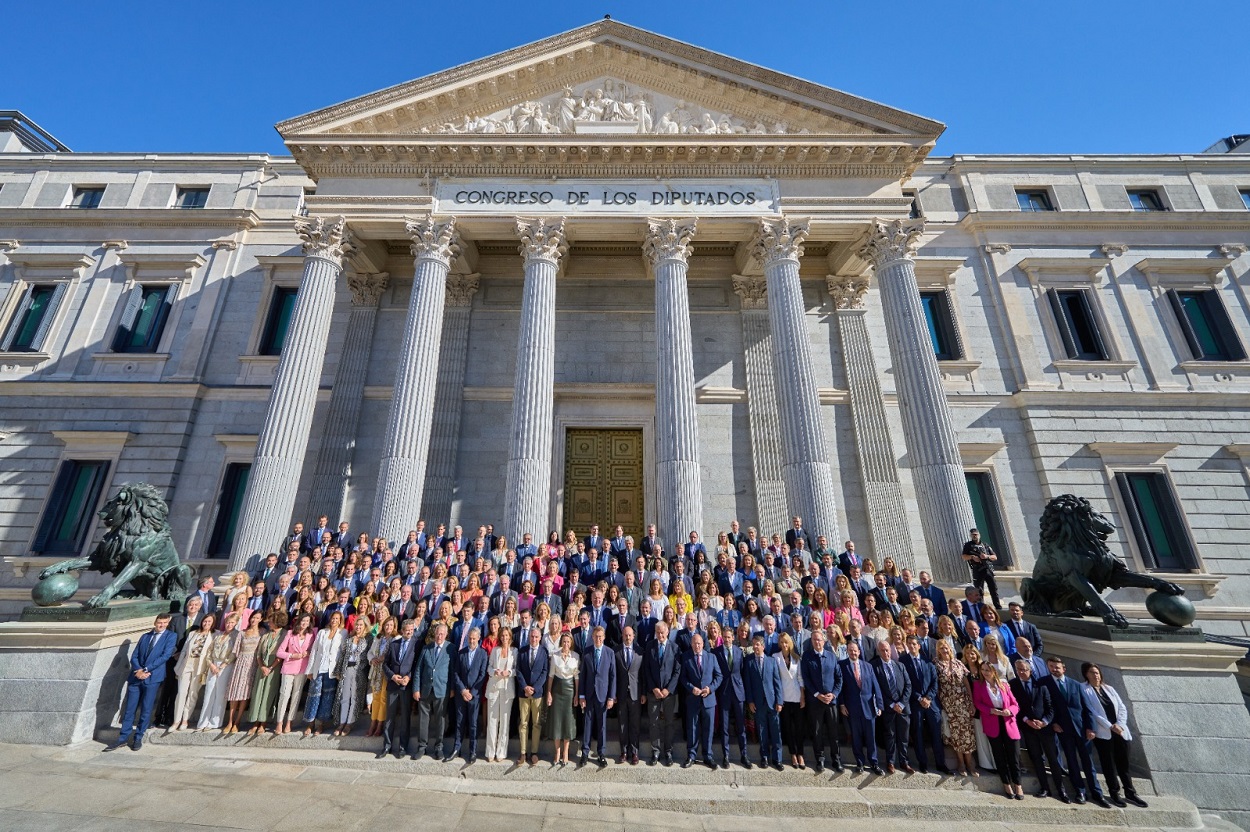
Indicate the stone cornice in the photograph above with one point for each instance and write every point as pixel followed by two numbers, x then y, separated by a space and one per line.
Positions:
pixel 233 218
pixel 1077 221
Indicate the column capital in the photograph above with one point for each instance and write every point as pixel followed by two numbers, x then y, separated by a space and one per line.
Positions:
pixel 367 287
pixel 847 292
pixel 461 288
pixel 668 239
pixel 434 239
pixel 779 238
pixel 890 240
pixel 325 237
pixel 752 290
pixel 542 239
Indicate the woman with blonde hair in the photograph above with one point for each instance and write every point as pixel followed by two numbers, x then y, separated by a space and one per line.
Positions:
pixel 957 708
pixel 191 668
pixel 389 630
pixel 561 694
pixel 998 708
pixel 659 601
pixel 239 585
pixel 238 609
pixel 500 691
pixel 353 674
pixel 992 653
pixel 322 674
pixel 971 658
pixel 793 699
pixel 244 675
pixel 837 641
pixel 221 659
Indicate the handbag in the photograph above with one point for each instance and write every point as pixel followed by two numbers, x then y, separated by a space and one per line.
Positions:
pixel 946 726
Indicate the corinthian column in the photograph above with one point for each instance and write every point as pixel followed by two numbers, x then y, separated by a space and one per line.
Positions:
pixel 528 494
pixel 401 480
pixel 678 488
pixel 941 490
pixel 334 457
pixel 809 477
pixel 283 440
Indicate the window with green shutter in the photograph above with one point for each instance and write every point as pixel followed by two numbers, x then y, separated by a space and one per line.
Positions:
pixel 281 306
pixel 143 318
pixel 69 515
pixel 229 506
pixel 988 517
pixel 1154 519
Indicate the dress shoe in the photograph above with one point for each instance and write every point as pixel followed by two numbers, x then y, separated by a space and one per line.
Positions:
pixel 859 769
pixel 668 758
pixel 778 767
pixel 710 763
pixel 581 761
pixel 449 758
pixel 622 759
pixel 472 759
pixel 633 759
pixel 689 762
pixel 819 767
pixel 1079 799
pixel 1018 796
pixel 1043 793
pixel 601 761
pixel 745 763
pixel 1101 801
pixel 724 762
pixel 889 768
pixel 907 768
pixel 138 743
pixel 837 765
pixel 382 753
pixel 1062 797
pixel 654 761
pixel 116 744
pixel 1136 801
pixel 1119 801
pixel 876 769
pixel 944 770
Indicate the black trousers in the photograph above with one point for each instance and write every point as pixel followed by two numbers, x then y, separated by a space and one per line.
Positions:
pixel 661 713
pixel 1113 757
pixel 824 728
pixel 792 727
pixel 431 722
pixel 1006 755
pixel 398 724
pixel 983 576
pixel 1044 749
pixel 895 728
pixel 629 713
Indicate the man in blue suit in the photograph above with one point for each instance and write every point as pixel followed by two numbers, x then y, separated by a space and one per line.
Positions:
pixel 468 679
pixel 700 679
pixel 147 671
pixel 691 550
pixel 732 697
pixel 661 671
pixel 1072 720
pixel 433 685
pixel 532 666
pixel 861 704
pixel 401 657
pixel 823 684
pixel 761 680
pixel 1037 713
pixel 1023 629
pixel 926 714
pixel 895 687
pixel 596 695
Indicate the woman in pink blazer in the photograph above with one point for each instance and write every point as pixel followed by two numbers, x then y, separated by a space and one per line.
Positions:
pixel 998 708
pixel 293 651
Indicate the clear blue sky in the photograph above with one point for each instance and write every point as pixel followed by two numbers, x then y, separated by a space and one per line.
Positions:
pixel 1006 76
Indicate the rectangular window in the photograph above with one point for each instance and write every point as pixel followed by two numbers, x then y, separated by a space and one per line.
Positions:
pixel 1206 325
pixel 1245 197
pixel 87 197
pixel 1078 325
pixel 191 198
pixel 1145 200
pixel 30 322
pixel 1155 521
pixel 988 518
pixel 69 515
pixel 1034 200
pixel 942 332
pixel 143 319
pixel 229 505
pixel 914 210
pixel 278 321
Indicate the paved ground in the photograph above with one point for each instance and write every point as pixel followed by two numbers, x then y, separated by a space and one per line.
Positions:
pixel 185 789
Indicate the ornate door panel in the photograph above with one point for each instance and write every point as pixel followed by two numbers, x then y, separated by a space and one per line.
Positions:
pixel 603 480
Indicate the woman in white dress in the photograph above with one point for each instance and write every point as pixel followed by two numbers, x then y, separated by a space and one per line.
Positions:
pixel 190 669
pixel 500 691
pixel 221 660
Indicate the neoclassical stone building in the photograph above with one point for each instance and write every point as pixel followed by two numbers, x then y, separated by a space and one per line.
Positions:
pixel 610 277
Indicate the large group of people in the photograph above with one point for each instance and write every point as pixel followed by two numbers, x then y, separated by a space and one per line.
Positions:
pixel 754 643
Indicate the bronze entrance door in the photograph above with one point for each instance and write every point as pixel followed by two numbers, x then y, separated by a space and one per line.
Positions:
pixel 603 481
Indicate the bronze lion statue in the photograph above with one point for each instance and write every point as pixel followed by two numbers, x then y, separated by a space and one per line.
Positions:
pixel 137 549
pixel 1075 565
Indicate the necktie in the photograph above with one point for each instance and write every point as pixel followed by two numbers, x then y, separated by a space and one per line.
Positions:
pixel 661 651
pixel 598 653
pixel 730 651
pixel 698 659
pixel 889 674
pixel 855 666
pixel 533 655
pixel 759 664
pixel 629 656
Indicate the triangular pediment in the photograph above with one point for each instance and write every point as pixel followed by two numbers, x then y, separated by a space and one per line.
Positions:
pixel 610 80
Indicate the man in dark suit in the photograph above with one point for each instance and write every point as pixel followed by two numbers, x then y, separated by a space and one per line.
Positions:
pixel 206 595
pixel 596 695
pixel 147 671
pixel 935 594
pixel 499 600
pixel 761 682
pixel 926 714
pixel 823 685
pixel 268 572
pixel 693 548
pixel 630 693
pixel 342 537
pixel 532 667
pixel 861 704
pixel 1023 629
pixel 700 679
pixel 878 591
pixel 433 685
pixel 401 656
pixel 594 540
pixel 468 679
pixel 616 624
pixel 617 547
pixel 405 607
pixel 315 536
pixel 849 558
pixel 796 532
pixel 650 545
pixel 736 536
pixel 661 671
pixel 295 536
pixel 551 599
pixel 583 633
pixel 1037 712
pixel 1072 720
pixel 895 687
pixel 731 696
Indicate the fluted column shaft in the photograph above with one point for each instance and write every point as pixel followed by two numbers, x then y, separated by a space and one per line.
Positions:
pixel 527 499
pixel 334 457
pixel 283 441
pixel 937 469
pixel 401 480
pixel 679 490
pixel 770 486
pixel 806 469
pixel 883 493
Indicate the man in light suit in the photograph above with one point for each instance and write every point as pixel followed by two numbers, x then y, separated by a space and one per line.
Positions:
pixel 861 704
pixel 147 671
pixel 468 678
pixel 731 696
pixel 532 666
pixel 761 682
pixel 661 672
pixel 895 687
pixel 401 655
pixel 433 685
pixel 822 682
pixel 596 695
pixel 700 679
pixel 926 714
pixel 630 693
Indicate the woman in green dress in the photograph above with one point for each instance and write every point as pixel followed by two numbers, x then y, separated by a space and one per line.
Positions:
pixel 265 686
pixel 561 694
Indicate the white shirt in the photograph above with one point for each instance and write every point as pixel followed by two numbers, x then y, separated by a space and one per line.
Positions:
pixel 562 668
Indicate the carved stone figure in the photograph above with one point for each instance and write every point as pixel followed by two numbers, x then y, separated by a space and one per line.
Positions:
pixel 566 111
pixel 1075 565
pixel 137 549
